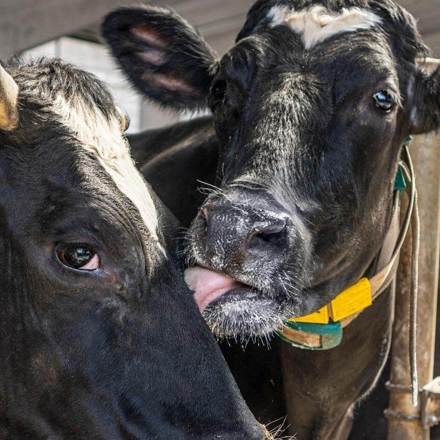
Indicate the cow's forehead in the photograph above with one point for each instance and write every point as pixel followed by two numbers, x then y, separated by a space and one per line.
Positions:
pixel 79 102
pixel 362 58
pixel 100 135
pixel 316 24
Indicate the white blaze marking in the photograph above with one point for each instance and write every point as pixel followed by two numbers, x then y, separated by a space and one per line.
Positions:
pixel 316 24
pixel 103 138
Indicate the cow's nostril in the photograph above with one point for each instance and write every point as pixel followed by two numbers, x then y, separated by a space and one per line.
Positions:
pixel 270 236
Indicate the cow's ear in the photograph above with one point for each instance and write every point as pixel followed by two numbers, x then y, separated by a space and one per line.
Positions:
pixel 162 55
pixel 8 101
pixel 425 109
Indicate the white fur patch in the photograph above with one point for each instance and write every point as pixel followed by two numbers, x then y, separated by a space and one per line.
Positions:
pixel 103 138
pixel 316 24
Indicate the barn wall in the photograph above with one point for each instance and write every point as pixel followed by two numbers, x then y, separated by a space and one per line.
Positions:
pixel 27 23
pixel 427 13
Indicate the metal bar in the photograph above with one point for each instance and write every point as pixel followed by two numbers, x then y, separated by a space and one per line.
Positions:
pixel 425 153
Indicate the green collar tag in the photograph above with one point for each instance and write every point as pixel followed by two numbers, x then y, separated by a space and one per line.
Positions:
pixel 399 182
pixel 310 336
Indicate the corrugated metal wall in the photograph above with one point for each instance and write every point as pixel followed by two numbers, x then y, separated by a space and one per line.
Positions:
pixel 26 23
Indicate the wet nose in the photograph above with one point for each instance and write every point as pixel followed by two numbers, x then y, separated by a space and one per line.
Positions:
pixel 237 234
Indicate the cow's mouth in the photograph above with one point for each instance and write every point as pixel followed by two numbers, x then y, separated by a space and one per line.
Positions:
pixel 210 286
pixel 232 308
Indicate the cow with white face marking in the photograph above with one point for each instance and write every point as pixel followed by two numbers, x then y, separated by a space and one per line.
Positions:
pixel 311 108
pixel 100 338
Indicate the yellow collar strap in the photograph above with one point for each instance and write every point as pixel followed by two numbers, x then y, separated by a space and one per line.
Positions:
pixel 322 329
pixel 349 302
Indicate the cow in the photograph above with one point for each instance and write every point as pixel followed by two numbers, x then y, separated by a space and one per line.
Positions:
pixel 100 337
pixel 310 109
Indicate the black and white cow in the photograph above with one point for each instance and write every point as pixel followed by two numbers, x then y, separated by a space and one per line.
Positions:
pixel 310 107
pixel 99 336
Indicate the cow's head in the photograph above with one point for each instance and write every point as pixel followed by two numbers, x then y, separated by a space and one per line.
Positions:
pixel 99 335
pixel 311 106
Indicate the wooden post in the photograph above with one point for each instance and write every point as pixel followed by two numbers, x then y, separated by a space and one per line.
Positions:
pixel 425 152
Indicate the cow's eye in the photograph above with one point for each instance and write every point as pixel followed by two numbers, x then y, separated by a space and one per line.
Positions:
pixel 78 256
pixel 384 100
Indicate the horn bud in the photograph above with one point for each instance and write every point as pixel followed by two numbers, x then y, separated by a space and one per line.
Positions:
pixel 8 101
pixel 428 64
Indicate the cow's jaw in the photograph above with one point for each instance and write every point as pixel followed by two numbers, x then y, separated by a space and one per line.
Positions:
pixel 233 309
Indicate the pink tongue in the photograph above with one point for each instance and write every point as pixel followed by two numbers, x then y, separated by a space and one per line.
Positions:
pixel 207 285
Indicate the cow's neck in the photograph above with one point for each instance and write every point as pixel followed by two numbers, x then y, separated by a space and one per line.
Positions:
pixel 323 330
pixel 336 379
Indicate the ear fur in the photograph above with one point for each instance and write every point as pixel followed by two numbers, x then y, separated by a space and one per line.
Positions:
pixel 162 55
pixel 425 113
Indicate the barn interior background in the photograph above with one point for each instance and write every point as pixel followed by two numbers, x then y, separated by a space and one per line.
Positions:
pixel 69 29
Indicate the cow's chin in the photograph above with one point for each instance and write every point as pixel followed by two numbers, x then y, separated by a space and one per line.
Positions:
pixel 236 310
pixel 244 316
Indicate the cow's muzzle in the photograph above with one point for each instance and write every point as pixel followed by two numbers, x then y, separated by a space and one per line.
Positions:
pixel 239 236
pixel 248 253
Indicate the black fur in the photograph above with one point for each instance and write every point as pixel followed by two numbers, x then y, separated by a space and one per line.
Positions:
pixel 427 102
pixel 305 152
pixel 117 353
